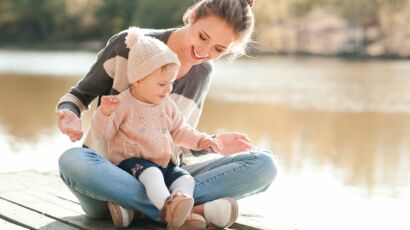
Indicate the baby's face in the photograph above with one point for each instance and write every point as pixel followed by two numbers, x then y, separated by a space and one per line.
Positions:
pixel 156 86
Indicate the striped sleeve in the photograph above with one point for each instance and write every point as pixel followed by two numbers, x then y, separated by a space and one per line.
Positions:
pixel 97 81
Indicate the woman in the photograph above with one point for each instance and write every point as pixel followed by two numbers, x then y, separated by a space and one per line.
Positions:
pixel 213 28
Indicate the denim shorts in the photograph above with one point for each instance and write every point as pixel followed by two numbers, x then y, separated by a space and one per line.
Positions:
pixel 135 166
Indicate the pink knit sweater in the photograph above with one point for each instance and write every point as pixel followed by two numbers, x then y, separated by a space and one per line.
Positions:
pixel 138 129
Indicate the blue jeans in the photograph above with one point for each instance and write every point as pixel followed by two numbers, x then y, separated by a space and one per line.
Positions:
pixel 95 180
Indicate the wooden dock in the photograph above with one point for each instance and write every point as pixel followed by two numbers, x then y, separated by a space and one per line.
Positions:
pixel 34 200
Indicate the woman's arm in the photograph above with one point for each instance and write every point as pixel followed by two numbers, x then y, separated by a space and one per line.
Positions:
pixel 95 83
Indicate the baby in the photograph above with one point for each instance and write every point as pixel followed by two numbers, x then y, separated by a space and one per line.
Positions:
pixel 143 127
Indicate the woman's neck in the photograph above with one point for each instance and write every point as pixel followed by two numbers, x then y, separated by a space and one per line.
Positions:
pixel 175 43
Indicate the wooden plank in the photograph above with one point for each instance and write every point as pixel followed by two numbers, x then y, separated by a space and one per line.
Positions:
pixel 49 206
pixel 33 192
pixel 68 212
pixel 47 195
pixel 10 226
pixel 49 182
pixel 250 223
pixel 27 219
pixel 40 199
pixel 79 218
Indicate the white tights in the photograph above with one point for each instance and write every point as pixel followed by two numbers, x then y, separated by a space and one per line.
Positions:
pixel 157 191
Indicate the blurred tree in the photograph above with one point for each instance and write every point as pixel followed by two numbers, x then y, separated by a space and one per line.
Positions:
pixel 80 23
pixel 381 25
pixel 300 8
pixel 113 16
pixel 362 15
pixel 27 20
pixel 282 22
pixel 362 11
pixel 156 14
pixel 268 13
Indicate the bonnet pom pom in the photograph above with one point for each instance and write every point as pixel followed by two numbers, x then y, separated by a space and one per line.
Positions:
pixel 134 34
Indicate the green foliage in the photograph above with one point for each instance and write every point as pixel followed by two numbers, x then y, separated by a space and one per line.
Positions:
pixel 299 8
pixel 48 21
pixel 361 12
pixel 355 11
pixel 26 21
pixel 156 14
pixel 31 20
pixel 115 15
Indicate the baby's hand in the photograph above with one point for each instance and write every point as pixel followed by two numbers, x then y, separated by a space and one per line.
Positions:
pixel 108 104
pixel 210 144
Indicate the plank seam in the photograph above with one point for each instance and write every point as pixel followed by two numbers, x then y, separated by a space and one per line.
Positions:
pixel 45 214
pixel 8 219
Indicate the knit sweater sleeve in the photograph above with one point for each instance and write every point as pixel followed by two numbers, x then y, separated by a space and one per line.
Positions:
pixel 97 81
pixel 105 127
pixel 182 133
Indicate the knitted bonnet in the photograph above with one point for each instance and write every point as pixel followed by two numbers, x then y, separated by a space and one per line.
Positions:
pixel 146 55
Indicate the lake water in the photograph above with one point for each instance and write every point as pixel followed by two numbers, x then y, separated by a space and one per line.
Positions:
pixel 340 130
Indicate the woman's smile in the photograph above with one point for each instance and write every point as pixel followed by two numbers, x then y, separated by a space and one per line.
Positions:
pixel 196 56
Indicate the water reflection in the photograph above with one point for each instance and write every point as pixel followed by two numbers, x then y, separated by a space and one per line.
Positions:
pixel 320 83
pixel 366 150
pixel 341 138
pixel 27 104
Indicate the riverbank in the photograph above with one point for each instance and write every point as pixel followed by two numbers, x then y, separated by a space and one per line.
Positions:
pixel 91 45
pixel 95 46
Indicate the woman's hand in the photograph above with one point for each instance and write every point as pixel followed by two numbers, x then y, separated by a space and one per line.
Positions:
pixel 210 144
pixel 70 124
pixel 234 142
pixel 108 105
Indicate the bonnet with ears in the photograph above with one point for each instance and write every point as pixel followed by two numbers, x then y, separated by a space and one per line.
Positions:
pixel 146 54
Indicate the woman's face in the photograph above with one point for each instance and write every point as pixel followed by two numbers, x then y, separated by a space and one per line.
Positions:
pixel 207 39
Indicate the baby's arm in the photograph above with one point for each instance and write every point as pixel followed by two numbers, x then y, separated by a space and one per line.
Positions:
pixel 105 121
pixel 108 105
pixel 186 136
pixel 210 144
